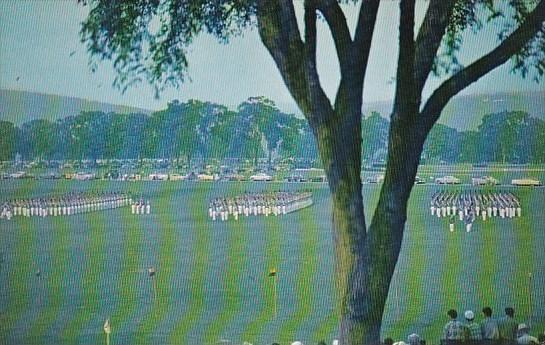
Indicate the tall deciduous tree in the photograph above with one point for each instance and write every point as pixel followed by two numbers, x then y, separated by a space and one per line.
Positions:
pixel 365 256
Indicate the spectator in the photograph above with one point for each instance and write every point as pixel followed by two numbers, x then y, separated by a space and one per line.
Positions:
pixel 508 326
pixel 489 327
pixel 453 330
pixel 414 339
pixel 473 329
pixel 541 339
pixel 524 337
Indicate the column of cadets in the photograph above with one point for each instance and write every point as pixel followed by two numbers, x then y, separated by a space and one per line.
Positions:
pixel 470 205
pixel 268 203
pixel 63 205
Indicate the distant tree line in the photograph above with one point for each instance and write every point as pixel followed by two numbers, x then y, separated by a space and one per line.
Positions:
pixel 504 137
pixel 183 131
pixel 256 129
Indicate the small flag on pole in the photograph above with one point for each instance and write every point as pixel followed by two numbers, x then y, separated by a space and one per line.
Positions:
pixel 107 328
pixel 272 272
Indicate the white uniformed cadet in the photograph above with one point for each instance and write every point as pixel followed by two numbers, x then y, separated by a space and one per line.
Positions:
pixel 469 219
pixel 452 220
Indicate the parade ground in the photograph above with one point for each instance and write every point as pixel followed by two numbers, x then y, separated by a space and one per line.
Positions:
pixel 62 277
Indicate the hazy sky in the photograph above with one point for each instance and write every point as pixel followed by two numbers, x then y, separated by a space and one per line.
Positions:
pixel 37 39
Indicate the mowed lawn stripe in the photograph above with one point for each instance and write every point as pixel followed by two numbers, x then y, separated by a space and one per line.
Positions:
pixel 524 252
pixel 18 267
pixel 160 282
pixel 19 276
pixel 200 265
pixel 305 289
pixel 413 252
pixel 487 256
pixel 95 227
pixel 59 251
pixel 273 236
pixel 236 265
pixel 127 280
pixel 451 255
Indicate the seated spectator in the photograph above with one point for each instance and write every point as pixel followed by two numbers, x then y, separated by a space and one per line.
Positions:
pixel 508 326
pixel 489 326
pixel 453 330
pixel 524 337
pixel 473 329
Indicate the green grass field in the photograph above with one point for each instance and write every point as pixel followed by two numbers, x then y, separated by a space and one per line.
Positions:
pixel 212 286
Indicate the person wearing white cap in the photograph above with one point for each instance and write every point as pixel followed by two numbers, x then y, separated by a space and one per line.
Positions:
pixel 400 343
pixel 524 337
pixel 473 329
pixel 413 339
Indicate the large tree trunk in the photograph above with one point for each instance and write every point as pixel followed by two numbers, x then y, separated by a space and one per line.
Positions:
pixel 340 147
pixel 386 230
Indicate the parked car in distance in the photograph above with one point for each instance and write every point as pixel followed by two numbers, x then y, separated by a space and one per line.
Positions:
pixel 526 182
pixel 447 180
pixel 261 177
pixel 419 180
pixel 484 181
pixel 294 178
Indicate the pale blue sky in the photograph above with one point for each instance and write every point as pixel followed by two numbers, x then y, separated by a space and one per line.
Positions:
pixel 37 37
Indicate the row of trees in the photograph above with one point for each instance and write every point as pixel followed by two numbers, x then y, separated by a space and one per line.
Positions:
pixel 182 130
pixel 256 130
pixel 505 137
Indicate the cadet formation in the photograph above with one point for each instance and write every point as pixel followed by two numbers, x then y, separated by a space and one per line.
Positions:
pixel 140 207
pixel 258 204
pixel 467 206
pixel 70 204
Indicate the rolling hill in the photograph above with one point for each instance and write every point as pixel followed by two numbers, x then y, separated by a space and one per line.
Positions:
pixel 465 112
pixel 22 106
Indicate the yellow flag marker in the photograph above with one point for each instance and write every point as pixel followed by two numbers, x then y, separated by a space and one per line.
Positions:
pixel 107 330
pixel 272 273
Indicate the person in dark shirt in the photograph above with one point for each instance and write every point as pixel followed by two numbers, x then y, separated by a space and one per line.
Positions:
pixel 489 326
pixel 508 326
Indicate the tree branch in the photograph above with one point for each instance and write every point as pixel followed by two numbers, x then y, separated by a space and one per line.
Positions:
pixel 279 33
pixel 510 46
pixel 363 36
pixel 405 97
pixel 429 39
pixel 310 32
pixel 336 21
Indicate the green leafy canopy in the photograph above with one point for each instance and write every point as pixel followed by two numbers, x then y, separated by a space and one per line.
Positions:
pixel 149 39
